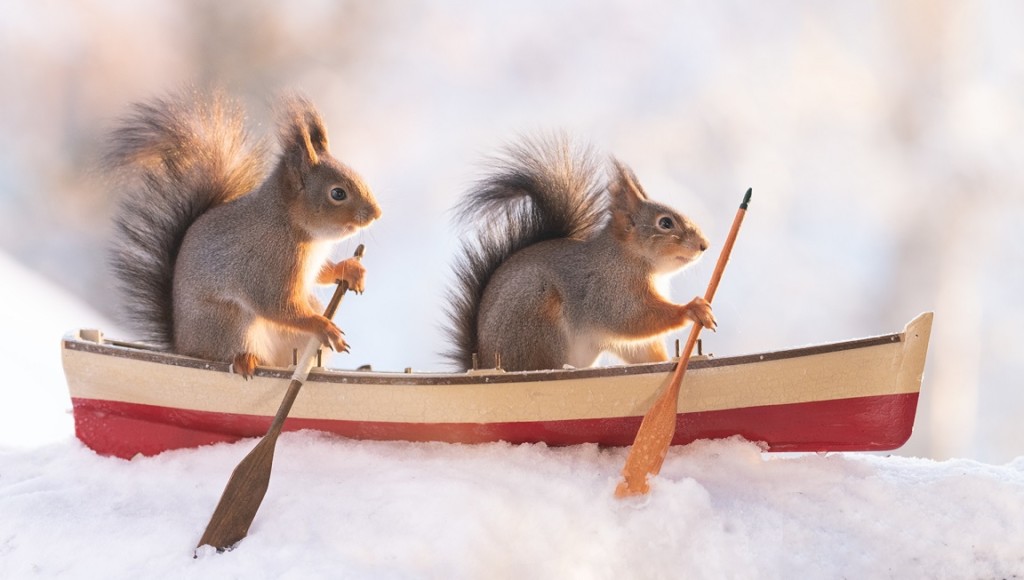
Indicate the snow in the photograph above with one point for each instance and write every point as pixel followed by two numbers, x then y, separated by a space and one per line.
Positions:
pixel 33 316
pixel 338 508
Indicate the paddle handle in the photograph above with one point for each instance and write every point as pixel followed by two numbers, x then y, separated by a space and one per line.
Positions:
pixel 723 257
pixel 342 287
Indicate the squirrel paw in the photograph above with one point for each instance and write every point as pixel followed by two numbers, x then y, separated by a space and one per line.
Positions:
pixel 353 272
pixel 331 336
pixel 699 310
pixel 244 364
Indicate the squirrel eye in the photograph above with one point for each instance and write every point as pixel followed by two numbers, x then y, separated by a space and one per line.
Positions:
pixel 665 223
pixel 338 194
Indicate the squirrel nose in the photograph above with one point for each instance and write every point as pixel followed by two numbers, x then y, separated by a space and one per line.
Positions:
pixel 375 212
pixel 703 246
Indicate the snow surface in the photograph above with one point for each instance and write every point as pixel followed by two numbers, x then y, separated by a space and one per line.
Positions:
pixel 346 509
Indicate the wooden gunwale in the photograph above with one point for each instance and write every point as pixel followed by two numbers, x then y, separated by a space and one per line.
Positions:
pixel 320 374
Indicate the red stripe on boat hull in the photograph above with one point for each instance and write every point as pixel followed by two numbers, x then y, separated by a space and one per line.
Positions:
pixel 861 424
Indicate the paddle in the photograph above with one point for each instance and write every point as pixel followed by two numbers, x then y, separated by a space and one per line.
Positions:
pixel 659 424
pixel 244 492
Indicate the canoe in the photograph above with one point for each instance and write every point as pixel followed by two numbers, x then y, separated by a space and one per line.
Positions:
pixel 856 395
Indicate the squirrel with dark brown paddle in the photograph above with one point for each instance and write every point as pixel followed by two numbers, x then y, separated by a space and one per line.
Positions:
pixel 248 484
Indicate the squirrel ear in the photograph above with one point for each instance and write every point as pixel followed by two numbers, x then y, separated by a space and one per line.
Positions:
pixel 315 136
pixel 305 129
pixel 307 140
pixel 625 190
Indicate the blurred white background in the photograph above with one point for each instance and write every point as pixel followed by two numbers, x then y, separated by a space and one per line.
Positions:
pixel 884 141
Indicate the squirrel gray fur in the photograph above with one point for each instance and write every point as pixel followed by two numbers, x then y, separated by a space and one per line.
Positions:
pixel 215 250
pixel 565 263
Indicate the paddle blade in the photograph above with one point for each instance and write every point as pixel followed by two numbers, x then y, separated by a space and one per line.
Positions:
pixel 651 444
pixel 242 497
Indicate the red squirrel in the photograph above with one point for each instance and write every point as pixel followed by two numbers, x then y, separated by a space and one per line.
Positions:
pixel 216 253
pixel 565 263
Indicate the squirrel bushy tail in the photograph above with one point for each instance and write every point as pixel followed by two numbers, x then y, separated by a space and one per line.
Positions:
pixel 179 157
pixel 538 189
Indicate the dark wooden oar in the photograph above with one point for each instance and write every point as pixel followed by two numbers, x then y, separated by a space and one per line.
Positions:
pixel 244 492
pixel 659 424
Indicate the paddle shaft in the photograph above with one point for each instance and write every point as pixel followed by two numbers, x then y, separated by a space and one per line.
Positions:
pixel 658 427
pixel 248 483
pixel 709 294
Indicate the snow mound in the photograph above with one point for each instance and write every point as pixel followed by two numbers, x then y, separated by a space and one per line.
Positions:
pixel 347 509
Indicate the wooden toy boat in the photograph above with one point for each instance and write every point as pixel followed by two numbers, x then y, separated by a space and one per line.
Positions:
pixel 857 395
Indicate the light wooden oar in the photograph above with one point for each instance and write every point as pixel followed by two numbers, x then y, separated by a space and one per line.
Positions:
pixel 659 424
pixel 244 492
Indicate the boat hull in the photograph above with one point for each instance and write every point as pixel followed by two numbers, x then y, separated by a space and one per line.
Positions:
pixel 853 396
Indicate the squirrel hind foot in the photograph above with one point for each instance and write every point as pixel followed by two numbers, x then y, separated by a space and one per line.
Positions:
pixel 244 364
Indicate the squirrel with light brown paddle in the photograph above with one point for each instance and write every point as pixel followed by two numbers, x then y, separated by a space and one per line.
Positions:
pixel 659 424
pixel 567 263
pixel 248 484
